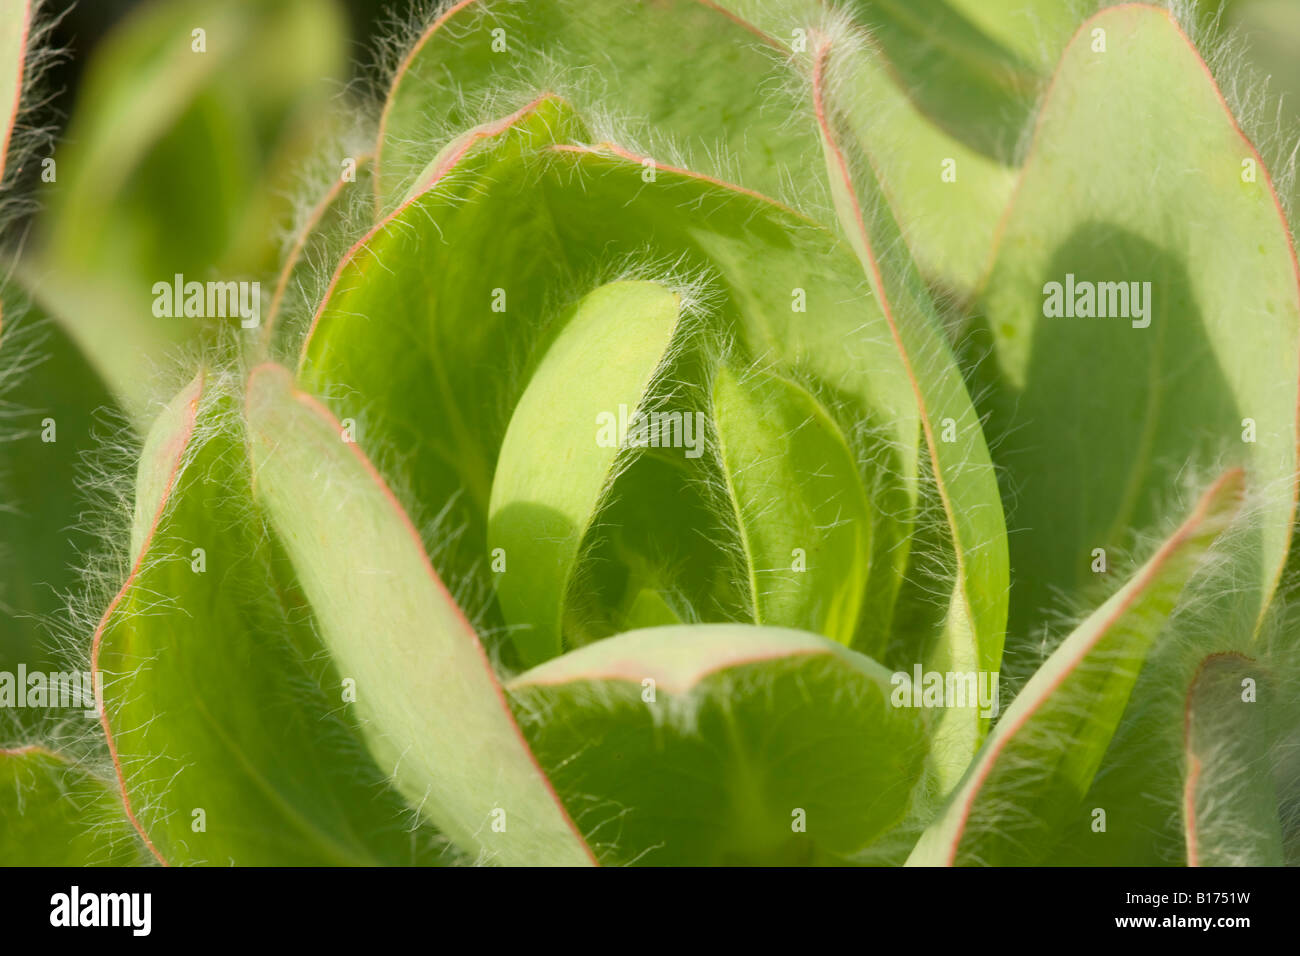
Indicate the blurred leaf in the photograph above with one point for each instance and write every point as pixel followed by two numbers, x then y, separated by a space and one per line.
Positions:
pixel 54 813
pixel 171 165
pixel 433 713
pixel 722 745
pixel 15 22
pixel 49 401
pixel 223 715
pixel 1034 31
pixel 1026 786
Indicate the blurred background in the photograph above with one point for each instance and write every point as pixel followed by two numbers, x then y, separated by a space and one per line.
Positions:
pixel 84 23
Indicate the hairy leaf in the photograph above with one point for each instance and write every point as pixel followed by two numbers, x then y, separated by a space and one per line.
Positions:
pixel 947 191
pixel 956 451
pixel 1230 807
pixel 58 814
pixel 722 744
pixel 1026 785
pixel 15 23
pixel 226 723
pixel 681 73
pixel 322 238
pixel 777 286
pixel 788 298
pixel 432 710
pixel 464 276
pixel 970 83
pixel 801 511
pixel 48 409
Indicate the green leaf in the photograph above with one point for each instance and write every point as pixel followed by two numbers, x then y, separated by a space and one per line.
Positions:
pixel 433 712
pixel 559 453
pixel 663 549
pixel 1026 786
pixel 1204 373
pixel 644 62
pixel 947 196
pixel 649 609
pixel 947 193
pixel 679 72
pixel 537 225
pixel 430 318
pixel 958 460
pixel 1271 31
pixel 1141 783
pixel 722 744
pixel 1230 807
pixel 788 297
pixel 225 720
pixel 201 122
pixel 55 813
pixel 1035 31
pixel 800 507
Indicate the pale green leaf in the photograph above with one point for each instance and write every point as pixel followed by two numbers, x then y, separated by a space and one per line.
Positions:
pixel 1178 238
pixel 560 449
pixel 432 711
pixel 956 451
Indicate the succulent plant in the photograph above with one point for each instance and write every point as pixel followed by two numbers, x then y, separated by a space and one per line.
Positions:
pixel 602 482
